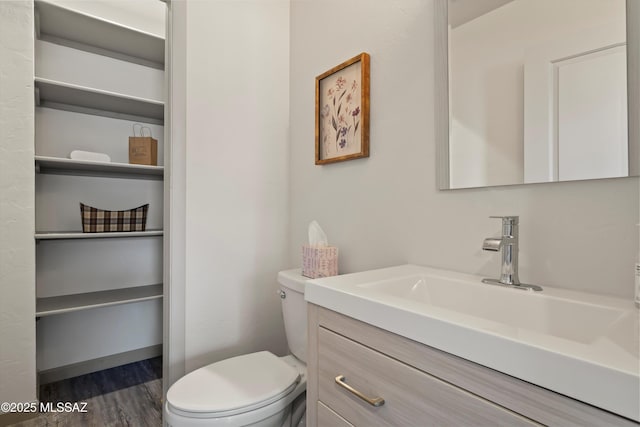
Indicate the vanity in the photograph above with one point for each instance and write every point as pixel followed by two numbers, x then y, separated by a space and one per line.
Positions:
pixel 418 346
pixel 415 346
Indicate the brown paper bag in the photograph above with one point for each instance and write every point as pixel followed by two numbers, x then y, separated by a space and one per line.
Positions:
pixel 143 150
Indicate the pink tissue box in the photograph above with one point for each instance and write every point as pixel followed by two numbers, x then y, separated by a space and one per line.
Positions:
pixel 319 261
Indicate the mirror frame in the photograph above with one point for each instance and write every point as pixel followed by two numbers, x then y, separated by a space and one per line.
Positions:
pixel 441 77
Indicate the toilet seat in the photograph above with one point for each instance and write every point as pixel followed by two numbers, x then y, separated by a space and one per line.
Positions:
pixel 233 386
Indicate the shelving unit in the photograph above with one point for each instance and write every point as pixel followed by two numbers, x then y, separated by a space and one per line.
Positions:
pixel 77 302
pixel 94 34
pixel 95 111
pixel 47 164
pixel 82 99
pixel 68 235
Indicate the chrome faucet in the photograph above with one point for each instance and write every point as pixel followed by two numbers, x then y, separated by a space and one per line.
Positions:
pixel 508 243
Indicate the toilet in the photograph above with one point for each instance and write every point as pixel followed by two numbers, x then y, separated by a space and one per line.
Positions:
pixel 257 389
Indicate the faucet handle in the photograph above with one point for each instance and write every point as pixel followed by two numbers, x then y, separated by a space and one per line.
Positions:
pixel 511 219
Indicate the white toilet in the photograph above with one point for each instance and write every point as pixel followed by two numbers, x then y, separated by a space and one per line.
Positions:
pixel 257 389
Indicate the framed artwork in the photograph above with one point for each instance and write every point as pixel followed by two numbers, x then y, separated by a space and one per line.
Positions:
pixel 342 112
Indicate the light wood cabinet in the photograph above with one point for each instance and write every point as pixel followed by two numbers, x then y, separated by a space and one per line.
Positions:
pixel 328 418
pixel 420 385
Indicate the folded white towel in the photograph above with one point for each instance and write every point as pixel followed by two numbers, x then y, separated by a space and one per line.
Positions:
pixel 89 156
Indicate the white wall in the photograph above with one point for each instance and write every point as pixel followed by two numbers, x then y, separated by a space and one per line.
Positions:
pixel 237 92
pixel 17 248
pixel 386 210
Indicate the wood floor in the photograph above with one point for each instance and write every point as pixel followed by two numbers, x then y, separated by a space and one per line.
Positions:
pixel 129 395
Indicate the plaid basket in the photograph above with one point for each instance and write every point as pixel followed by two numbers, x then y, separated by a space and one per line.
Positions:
pixel 101 221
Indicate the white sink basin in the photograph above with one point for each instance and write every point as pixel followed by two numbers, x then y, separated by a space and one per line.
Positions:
pixel 582 345
pixel 568 319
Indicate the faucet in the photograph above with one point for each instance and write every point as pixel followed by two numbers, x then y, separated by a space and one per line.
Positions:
pixel 508 243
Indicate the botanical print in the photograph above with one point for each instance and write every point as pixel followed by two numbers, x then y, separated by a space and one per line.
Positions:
pixel 340 112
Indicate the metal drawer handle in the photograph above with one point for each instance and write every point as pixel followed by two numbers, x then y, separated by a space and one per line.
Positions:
pixel 375 401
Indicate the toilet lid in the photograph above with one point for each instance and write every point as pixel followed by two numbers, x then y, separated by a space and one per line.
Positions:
pixel 234 385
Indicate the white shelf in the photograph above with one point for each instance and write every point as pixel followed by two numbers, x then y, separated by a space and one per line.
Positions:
pixel 111 61
pixel 59 165
pixel 87 100
pixel 70 303
pixel 78 30
pixel 65 235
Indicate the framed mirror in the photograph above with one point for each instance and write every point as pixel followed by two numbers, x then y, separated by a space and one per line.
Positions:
pixel 532 91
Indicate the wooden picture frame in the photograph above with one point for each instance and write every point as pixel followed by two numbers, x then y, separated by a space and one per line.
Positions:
pixel 342 111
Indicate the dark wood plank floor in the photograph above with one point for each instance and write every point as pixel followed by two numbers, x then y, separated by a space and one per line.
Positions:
pixel 128 395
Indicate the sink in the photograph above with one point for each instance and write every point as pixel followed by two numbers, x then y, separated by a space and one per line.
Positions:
pixel 563 318
pixel 581 345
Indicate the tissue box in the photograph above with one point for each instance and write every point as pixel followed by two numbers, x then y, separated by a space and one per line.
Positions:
pixel 319 261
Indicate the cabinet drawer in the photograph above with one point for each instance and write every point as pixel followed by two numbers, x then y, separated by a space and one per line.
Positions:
pixel 412 397
pixel 328 418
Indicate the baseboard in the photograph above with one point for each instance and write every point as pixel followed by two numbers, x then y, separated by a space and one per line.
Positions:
pixel 99 364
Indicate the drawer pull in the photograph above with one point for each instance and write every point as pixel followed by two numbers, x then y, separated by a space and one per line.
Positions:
pixel 375 401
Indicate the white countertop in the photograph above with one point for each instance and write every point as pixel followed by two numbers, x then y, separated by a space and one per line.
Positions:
pixel 598 364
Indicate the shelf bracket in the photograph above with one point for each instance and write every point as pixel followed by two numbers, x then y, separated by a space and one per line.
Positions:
pixel 36 93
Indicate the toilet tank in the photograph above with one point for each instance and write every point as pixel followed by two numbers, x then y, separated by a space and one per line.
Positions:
pixel 294 311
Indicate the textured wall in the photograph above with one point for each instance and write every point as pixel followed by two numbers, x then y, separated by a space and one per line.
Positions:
pixel 386 209
pixel 17 248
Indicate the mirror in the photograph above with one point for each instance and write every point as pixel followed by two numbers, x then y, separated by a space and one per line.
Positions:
pixel 536 91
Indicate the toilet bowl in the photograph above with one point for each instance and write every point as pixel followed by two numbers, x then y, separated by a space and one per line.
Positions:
pixel 257 389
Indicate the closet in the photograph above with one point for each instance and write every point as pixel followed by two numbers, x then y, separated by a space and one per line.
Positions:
pixel 98 295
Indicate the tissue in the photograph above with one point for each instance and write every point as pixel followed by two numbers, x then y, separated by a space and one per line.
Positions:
pixel 317 236
pixel 318 258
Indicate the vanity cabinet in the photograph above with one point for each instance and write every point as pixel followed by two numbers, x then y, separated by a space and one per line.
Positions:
pixel 98 295
pixel 420 385
pixel 327 417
